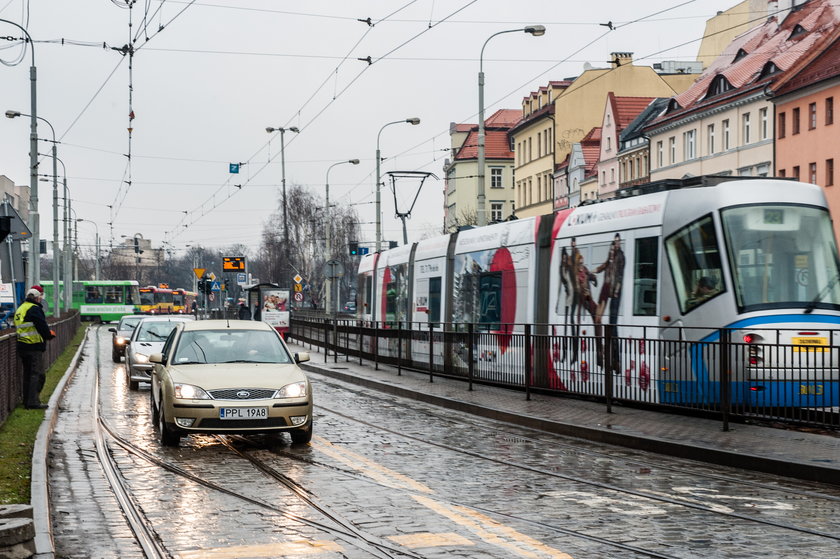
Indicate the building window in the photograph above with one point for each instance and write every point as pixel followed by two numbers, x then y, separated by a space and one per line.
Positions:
pixel 603 178
pixel 795 172
pixel 782 173
pixel 829 172
pixel 672 149
pixel 745 119
pixel 829 110
pixel 812 116
pixel 660 154
pixel 539 144
pixel 496 211
pixel 495 177
pixel 725 131
pixel 612 175
pixel 530 152
pixel 689 151
pixel 782 127
pixel 710 133
pixel 794 121
pixel 812 173
pixel 763 123
pixel 540 195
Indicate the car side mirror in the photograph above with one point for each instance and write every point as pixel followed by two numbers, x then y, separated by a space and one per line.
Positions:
pixel 301 357
pixel 156 358
pixel 114 330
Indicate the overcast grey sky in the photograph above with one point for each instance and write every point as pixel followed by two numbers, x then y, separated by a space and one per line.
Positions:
pixel 218 72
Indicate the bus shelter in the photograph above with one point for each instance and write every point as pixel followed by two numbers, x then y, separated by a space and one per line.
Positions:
pixel 270 303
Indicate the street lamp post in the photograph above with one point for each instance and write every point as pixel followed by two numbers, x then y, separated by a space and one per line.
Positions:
pixel 329 307
pixel 33 270
pixel 66 258
pixel 96 276
pixel 55 308
pixel 413 121
pixel 285 204
pixel 481 212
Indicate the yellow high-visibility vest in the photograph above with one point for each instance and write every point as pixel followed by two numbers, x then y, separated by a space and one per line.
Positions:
pixel 26 331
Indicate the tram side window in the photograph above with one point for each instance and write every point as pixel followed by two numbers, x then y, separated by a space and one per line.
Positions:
pixel 645 278
pixel 490 300
pixel 368 285
pixel 92 294
pixel 434 299
pixel 114 294
pixel 694 258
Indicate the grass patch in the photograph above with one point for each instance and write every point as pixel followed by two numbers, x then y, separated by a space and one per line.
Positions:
pixel 17 434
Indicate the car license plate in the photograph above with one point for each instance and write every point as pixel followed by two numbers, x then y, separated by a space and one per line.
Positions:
pixel 243 413
pixel 813 344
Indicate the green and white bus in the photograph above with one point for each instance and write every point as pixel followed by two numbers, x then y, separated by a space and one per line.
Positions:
pixel 101 301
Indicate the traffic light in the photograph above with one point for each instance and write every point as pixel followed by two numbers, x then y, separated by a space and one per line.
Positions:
pixel 354 248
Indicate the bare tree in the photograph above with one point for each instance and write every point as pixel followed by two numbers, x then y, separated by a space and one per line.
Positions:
pixel 307 243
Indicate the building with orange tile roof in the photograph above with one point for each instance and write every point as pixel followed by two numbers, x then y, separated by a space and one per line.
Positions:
pixel 807 126
pixel 723 124
pixel 461 171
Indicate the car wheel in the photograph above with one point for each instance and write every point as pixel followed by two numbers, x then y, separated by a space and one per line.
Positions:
pixel 302 436
pixel 168 435
pixel 115 355
pixel 132 384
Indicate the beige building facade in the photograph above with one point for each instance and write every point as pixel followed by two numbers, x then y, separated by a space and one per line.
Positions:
pixel 545 136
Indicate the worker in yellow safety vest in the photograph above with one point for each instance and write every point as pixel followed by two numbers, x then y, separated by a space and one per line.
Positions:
pixel 32 335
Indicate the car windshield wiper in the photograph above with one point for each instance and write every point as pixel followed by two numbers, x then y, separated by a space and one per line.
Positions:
pixel 825 290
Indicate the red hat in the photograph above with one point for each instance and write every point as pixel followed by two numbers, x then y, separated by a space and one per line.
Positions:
pixel 38 288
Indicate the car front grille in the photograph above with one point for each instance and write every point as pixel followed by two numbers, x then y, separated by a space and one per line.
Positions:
pixel 239 394
pixel 242 423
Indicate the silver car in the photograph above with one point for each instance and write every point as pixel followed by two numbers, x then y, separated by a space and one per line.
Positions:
pixel 229 376
pixel 147 338
pixel 121 334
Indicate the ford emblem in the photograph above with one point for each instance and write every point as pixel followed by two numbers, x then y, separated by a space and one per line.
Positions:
pixel 243 394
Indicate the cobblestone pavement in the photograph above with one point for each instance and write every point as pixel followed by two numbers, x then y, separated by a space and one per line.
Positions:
pixel 414 480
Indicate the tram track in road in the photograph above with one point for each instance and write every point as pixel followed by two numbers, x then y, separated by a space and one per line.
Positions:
pixel 542 439
pixel 657 497
pixel 149 540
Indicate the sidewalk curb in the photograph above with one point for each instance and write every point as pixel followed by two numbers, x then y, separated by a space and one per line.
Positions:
pixel 603 433
pixel 40 493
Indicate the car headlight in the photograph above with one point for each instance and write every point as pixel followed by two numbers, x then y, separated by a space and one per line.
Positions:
pixel 294 390
pixel 120 340
pixel 141 358
pixel 190 392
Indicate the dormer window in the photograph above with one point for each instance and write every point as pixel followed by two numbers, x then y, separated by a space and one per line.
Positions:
pixel 672 106
pixel 719 85
pixel 768 70
pixel 739 55
pixel 797 31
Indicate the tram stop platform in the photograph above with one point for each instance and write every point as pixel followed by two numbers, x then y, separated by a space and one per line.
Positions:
pixel 795 453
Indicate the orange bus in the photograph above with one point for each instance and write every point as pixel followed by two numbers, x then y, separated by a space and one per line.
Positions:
pixel 182 300
pixel 155 300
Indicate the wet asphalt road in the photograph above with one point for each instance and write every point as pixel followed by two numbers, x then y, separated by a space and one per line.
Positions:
pixel 390 477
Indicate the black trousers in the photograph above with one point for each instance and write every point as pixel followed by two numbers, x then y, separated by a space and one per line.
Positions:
pixel 33 376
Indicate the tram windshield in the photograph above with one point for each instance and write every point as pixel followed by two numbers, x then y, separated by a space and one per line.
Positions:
pixel 782 256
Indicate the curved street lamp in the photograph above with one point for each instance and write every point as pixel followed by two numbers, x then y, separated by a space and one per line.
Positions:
pixel 481 214
pixel 414 121
pixel 328 306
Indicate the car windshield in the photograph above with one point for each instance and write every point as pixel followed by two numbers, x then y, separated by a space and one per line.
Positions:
pixel 230 346
pixel 129 322
pixel 156 331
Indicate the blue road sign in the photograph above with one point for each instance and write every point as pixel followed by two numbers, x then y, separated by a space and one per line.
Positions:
pixel 234 168
pixel 216 286
pixel 364 250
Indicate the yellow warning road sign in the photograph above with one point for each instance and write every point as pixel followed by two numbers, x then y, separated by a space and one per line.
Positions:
pixel 199 272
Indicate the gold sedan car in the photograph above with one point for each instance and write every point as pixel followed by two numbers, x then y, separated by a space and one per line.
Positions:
pixel 229 376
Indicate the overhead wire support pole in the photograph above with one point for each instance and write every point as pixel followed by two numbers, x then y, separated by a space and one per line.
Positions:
pixel 33 270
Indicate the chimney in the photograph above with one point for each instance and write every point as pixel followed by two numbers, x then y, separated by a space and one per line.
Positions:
pixel 621 59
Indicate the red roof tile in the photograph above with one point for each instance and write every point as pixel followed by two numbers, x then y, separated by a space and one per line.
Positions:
pixel 625 109
pixel 768 42
pixel 503 118
pixel 496 145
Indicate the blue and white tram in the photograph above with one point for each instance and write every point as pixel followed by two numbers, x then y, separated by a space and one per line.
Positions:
pixel 640 288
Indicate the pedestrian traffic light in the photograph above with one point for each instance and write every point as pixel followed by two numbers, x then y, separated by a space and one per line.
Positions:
pixel 354 248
